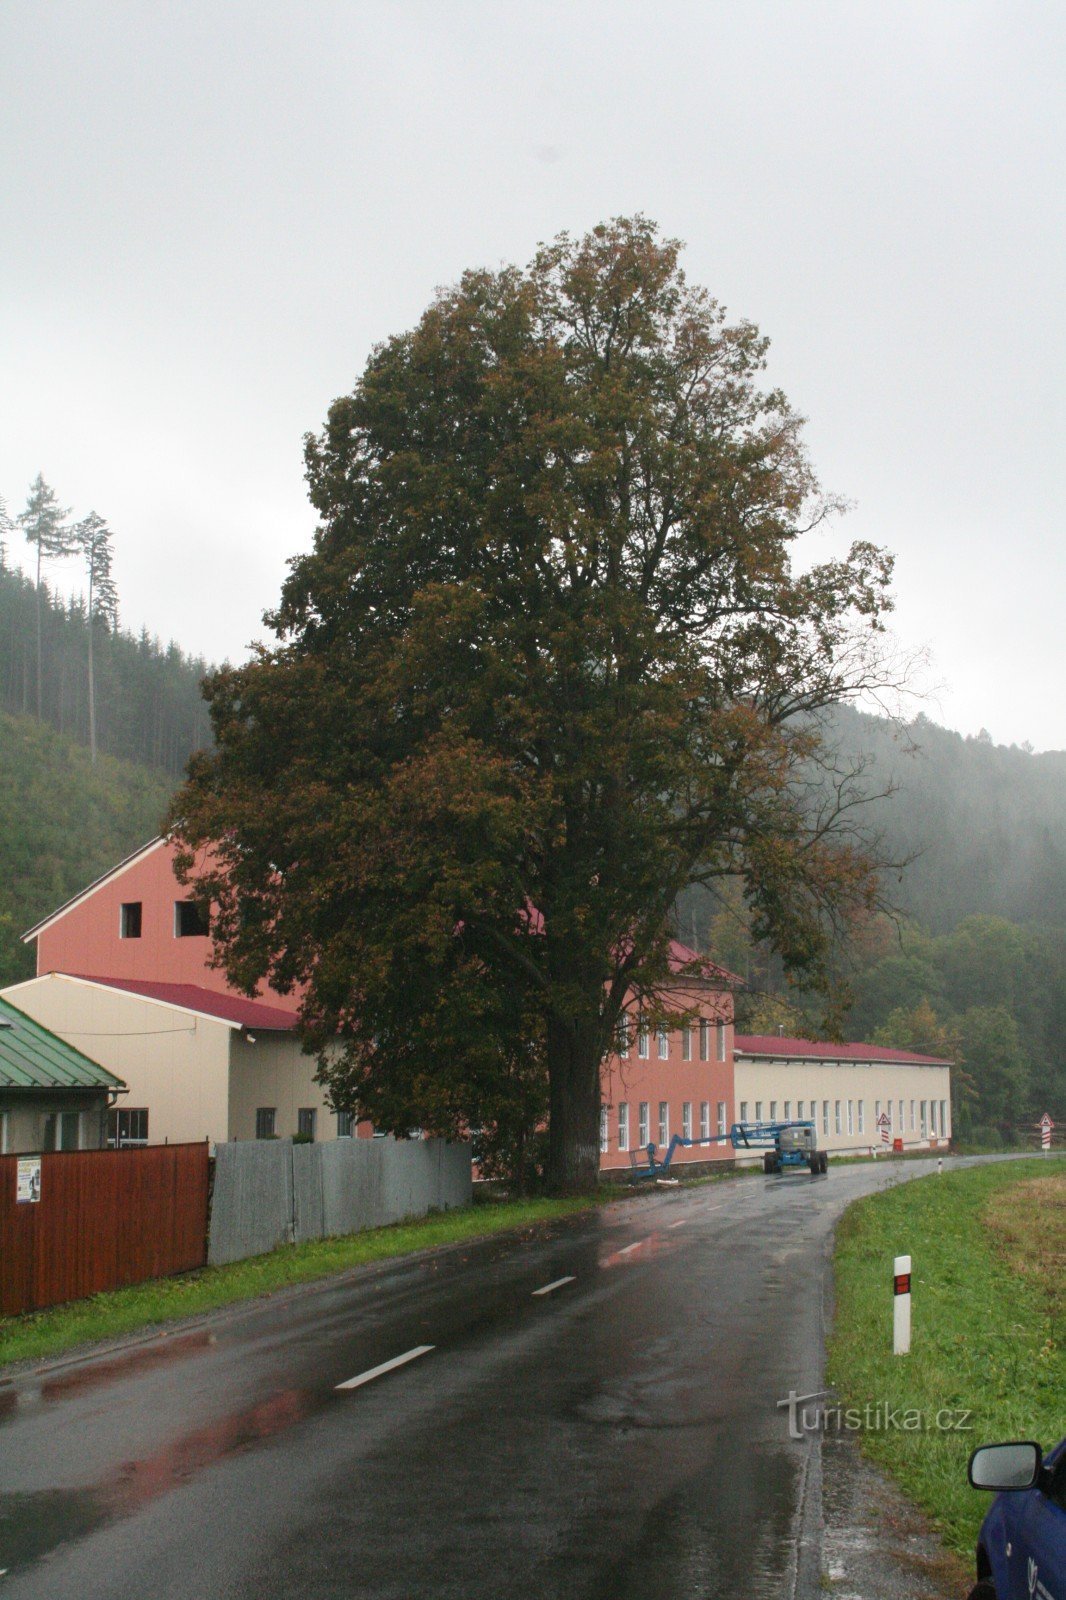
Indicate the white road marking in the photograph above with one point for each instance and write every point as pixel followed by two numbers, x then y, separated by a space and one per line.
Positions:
pixel 548 1287
pixel 626 1248
pixel 387 1366
pixel 680 1224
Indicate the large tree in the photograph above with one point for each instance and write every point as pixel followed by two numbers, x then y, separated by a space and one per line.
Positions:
pixel 548 663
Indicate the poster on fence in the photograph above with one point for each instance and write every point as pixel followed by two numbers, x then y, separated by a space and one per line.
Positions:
pixel 28 1181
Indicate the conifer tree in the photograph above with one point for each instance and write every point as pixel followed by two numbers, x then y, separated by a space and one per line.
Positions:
pixel 43 522
pixel 93 538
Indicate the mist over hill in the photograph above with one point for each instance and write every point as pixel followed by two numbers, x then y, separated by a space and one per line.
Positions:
pixel 982 826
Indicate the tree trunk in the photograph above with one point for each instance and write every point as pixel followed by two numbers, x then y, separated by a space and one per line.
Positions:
pixel 574 1105
pixel 38 630
pixel 92 682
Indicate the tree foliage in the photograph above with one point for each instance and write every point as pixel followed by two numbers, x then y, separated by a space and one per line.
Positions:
pixel 548 663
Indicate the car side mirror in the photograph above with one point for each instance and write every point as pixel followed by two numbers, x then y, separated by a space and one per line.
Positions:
pixel 1006 1466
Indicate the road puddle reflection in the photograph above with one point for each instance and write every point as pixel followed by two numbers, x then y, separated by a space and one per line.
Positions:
pixel 129 1364
pixel 32 1525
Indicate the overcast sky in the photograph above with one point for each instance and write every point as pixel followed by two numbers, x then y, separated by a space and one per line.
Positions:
pixel 209 213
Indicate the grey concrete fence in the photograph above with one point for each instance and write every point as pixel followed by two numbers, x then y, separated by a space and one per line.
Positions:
pixel 273 1192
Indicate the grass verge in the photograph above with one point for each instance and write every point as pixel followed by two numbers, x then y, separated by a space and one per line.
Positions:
pixel 989 1340
pixel 124 1311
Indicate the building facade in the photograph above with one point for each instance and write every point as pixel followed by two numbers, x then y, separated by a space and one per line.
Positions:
pixel 124 974
pixel 845 1090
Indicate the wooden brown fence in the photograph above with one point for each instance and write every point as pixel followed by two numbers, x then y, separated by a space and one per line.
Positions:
pixel 104 1218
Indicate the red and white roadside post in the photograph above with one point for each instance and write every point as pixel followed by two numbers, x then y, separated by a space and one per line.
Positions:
pixel 1045 1125
pixel 901 1306
pixel 884 1122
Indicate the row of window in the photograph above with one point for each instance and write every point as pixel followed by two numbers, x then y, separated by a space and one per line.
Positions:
pixel 927 1117
pixel 662 1125
pixel 266 1123
pixel 663 1040
pixel 189 920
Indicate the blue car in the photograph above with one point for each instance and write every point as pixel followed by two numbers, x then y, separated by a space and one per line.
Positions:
pixel 1021 1549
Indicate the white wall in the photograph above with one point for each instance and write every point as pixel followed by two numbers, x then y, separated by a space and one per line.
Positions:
pixel 768 1082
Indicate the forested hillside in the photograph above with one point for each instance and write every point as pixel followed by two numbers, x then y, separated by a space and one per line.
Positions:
pixel 974 966
pixel 62 823
pixel 984 823
pixel 148 703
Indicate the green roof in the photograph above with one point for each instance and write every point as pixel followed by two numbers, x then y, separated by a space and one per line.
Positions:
pixel 33 1058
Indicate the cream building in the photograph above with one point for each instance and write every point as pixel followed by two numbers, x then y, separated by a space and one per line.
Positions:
pixel 197 1064
pixel 845 1090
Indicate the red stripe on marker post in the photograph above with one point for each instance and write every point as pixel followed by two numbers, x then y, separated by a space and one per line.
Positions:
pixel 901 1306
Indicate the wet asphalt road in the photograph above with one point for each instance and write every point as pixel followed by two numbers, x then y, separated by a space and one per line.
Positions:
pixel 616 1437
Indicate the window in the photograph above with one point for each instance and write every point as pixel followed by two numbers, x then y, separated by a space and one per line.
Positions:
pixel 925 1118
pixel 705 1039
pixel 900 1124
pixel 62 1130
pixel 603 1131
pixel 306 1122
pixel 265 1117
pixel 686 1043
pixel 913 1124
pixel 944 1118
pixel 743 1111
pixel 345 1125
pixel 825 1116
pixel 643 1050
pixel 643 1124
pixel 721 1116
pixel 686 1119
pixel 773 1110
pixel 623 1126
pixel 705 1121
pixel 189 920
pixel 788 1110
pixel 664 1045
pixel 127 1127
pixel 720 1040
pixel 836 1117
pixel 862 1116
pixel 877 1112
pixel 623 1037
pixel 799 1110
pixel 129 920
pixel 851 1116
pixel 664 1122
pixel 758 1110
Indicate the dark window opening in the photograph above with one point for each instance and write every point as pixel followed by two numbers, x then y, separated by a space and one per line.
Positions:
pixel 264 1122
pixel 127 1127
pixel 130 920
pixel 345 1124
pixel 306 1120
pixel 189 920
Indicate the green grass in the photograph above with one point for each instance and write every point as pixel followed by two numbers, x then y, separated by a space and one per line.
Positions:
pixel 146 1305
pixel 989 1324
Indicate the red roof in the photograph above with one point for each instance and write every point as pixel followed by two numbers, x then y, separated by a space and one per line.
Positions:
pixel 772 1044
pixel 681 955
pixel 233 1008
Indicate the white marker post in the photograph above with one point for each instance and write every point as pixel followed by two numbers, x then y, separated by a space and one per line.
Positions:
pixel 901 1306
pixel 1045 1125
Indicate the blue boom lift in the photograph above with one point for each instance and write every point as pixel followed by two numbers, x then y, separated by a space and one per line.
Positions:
pixel 784 1144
